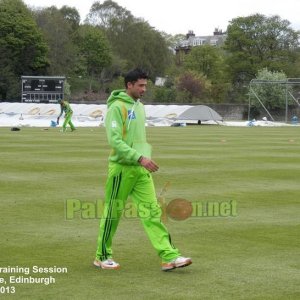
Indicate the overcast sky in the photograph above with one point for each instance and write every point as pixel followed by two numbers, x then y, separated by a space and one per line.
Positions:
pixel 202 17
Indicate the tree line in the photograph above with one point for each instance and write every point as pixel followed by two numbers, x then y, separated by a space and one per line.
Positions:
pixel 94 53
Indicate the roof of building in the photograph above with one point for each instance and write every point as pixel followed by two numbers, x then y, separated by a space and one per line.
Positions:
pixel 218 38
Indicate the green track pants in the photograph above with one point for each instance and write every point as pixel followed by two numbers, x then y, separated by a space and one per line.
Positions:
pixel 68 121
pixel 134 181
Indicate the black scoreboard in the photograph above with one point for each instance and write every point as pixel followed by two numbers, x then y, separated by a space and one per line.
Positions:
pixel 42 89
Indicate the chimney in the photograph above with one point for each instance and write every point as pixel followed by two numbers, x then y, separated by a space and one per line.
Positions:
pixel 189 34
pixel 218 31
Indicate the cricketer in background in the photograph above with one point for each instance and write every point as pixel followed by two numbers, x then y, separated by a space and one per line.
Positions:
pixel 66 108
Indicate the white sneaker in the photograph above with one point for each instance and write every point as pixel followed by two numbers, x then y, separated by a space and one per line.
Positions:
pixel 108 264
pixel 178 262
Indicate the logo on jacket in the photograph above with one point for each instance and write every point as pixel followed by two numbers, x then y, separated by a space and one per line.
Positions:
pixel 131 114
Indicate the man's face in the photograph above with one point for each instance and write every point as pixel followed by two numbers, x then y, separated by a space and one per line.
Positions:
pixel 137 89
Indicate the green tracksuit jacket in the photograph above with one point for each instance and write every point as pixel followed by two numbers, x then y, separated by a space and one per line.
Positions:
pixel 125 128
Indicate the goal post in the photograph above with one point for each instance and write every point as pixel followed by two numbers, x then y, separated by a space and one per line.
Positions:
pixel 274 94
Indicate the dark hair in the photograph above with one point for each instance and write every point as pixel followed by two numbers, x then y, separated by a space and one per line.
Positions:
pixel 135 75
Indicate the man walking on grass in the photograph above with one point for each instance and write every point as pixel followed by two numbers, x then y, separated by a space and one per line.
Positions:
pixel 129 173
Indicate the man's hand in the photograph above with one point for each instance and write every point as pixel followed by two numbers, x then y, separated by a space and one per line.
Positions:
pixel 148 164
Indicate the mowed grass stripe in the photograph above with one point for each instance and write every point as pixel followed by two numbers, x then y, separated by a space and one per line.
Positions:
pixel 251 256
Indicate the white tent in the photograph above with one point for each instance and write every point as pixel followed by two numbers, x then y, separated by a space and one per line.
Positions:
pixel 200 113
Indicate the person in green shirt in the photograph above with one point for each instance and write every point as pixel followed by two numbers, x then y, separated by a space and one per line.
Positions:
pixel 66 108
pixel 129 174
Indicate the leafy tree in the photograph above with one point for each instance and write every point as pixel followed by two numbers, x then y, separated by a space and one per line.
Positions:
pixel 164 94
pixel 142 46
pixel 172 40
pixel 71 15
pixel 256 42
pixel 67 89
pixel 94 52
pixel 132 39
pixel 22 48
pixel 209 61
pixel 60 31
pixel 117 67
pixel 270 89
pixel 205 59
pixel 108 15
pixel 192 87
pixel 116 84
pixel 295 70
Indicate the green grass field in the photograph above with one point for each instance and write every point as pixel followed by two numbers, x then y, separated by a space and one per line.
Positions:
pixel 254 255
